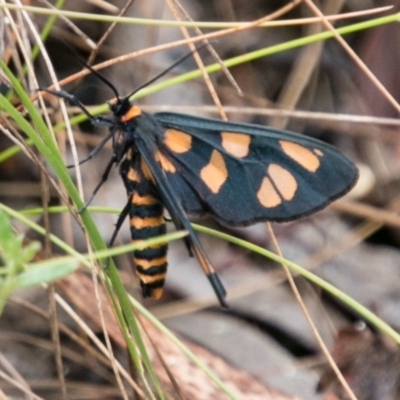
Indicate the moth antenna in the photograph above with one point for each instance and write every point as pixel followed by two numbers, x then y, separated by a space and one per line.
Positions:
pixel 161 74
pixel 102 78
pixel 149 82
pixel 93 71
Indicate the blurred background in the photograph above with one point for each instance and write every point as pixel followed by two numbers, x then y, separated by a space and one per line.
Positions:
pixel 263 346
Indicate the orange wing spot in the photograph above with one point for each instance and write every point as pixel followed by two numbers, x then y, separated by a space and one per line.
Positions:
pixel 139 200
pixel 132 113
pixel 133 175
pixel 306 158
pixel 148 222
pixel 236 144
pixel 166 165
pixel 214 174
pixel 177 141
pixel 318 152
pixel 145 170
pixel 267 194
pixel 283 180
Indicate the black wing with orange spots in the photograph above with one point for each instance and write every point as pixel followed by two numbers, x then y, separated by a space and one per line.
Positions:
pixel 238 173
pixel 243 173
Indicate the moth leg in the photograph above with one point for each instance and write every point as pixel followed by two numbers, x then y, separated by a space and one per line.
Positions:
pixel 104 178
pixel 95 151
pixel 121 218
pixel 96 121
pixel 124 213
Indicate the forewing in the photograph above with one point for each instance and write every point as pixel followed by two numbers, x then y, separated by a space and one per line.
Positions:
pixel 242 173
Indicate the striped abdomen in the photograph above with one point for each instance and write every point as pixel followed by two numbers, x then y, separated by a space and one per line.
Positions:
pixel 147 221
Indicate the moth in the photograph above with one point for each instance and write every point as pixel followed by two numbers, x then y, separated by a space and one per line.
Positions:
pixel 238 173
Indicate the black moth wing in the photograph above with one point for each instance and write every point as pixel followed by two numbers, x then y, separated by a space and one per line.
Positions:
pixel 243 173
